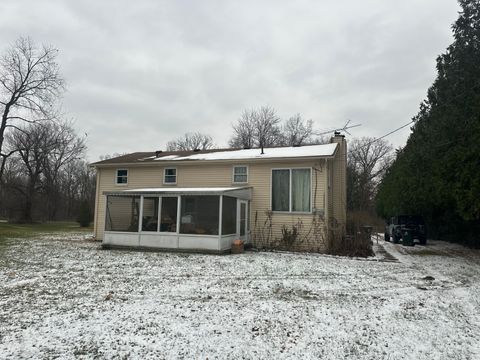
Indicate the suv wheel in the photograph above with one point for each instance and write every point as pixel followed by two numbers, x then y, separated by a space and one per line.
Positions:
pixel 396 239
pixel 387 237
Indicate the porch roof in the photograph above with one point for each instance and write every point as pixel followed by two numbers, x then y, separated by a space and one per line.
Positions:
pixel 244 192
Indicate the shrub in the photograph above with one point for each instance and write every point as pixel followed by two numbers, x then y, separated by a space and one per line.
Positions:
pixel 84 214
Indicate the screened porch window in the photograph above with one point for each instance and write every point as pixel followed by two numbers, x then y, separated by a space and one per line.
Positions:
pixel 291 190
pixel 229 215
pixel 150 214
pixel 168 221
pixel 200 214
pixel 122 213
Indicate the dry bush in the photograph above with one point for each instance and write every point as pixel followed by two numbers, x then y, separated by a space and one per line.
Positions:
pixel 357 219
pixel 357 242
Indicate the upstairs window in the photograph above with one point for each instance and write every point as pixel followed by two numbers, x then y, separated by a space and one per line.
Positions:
pixel 291 190
pixel 122 177
pixel 240 174
pixel 170 176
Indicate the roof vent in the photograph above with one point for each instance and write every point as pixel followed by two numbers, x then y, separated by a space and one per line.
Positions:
pixel 196 150
pixel 158 152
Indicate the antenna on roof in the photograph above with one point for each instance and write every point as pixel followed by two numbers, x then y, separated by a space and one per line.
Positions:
pixel 344 128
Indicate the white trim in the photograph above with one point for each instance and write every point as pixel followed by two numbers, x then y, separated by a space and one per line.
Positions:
pixel 116 177
pixel 239 217
pixel 140 215
pixel 164 175
pixel 233 174
pixel 290 191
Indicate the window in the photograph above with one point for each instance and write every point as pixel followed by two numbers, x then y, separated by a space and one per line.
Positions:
pixel 240 174
pixel 168 215
pixel 200 214
pixel 122 177
pixel 150 214
pixel 122 213
pixel 170 176
pixel 291 190
pixel 229 215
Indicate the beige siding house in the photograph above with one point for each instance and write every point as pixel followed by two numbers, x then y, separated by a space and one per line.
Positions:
pixel 291 198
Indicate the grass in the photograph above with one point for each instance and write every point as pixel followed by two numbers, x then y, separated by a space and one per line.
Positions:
pixel 9 230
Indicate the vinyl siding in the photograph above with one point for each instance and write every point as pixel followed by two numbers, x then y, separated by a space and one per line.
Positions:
pixel 203 174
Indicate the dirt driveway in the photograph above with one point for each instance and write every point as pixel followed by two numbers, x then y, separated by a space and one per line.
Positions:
pixel 64 297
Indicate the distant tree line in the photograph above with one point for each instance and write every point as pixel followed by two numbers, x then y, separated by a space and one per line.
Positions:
pixel 43 171
pixel 437 173
pixel 254 128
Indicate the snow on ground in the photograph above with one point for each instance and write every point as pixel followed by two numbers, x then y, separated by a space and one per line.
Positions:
pixel 70 299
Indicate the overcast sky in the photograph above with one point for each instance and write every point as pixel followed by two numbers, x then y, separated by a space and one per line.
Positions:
pixel 140 73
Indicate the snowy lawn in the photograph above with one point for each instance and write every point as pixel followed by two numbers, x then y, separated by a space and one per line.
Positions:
pixel 61 296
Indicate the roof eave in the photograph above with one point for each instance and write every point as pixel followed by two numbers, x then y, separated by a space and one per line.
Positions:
pixel 227 161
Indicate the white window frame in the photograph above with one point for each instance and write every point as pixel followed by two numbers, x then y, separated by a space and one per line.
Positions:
pixel 289 211
pixel 165 175
pixel 233 174
pixel 116 177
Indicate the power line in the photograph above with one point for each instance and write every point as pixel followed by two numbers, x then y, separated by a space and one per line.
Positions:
pixel 393 131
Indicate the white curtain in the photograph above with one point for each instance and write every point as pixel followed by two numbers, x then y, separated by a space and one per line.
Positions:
pixel 301 190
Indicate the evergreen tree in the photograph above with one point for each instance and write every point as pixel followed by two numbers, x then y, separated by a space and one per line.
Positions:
pixel 437 173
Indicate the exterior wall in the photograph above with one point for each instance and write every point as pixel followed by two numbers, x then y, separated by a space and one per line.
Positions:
pixel 265 226
pixel 339 187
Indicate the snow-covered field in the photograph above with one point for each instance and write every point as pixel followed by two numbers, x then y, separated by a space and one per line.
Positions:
pixel 61 296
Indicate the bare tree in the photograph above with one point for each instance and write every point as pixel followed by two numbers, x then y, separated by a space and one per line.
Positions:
pixel 296 131
pixel 30 144
pixel 65 147
pixel 191 141
pixel 257 127
pixel 368 159
pixel 30 84
pixel 244 131
pixel 43 150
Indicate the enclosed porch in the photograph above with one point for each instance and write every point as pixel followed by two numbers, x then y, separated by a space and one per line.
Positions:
pixel 195 219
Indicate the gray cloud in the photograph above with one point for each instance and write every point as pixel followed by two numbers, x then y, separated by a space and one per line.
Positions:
pixel 140 73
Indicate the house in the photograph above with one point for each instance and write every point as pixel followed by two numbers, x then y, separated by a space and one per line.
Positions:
pixel 283 197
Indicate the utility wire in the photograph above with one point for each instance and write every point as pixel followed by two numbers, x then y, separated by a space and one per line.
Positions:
pixel 393 131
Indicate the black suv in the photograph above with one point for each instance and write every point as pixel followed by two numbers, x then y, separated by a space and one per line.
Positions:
pixel 398 224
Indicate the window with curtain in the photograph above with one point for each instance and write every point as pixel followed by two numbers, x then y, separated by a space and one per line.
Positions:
pixel 291 190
